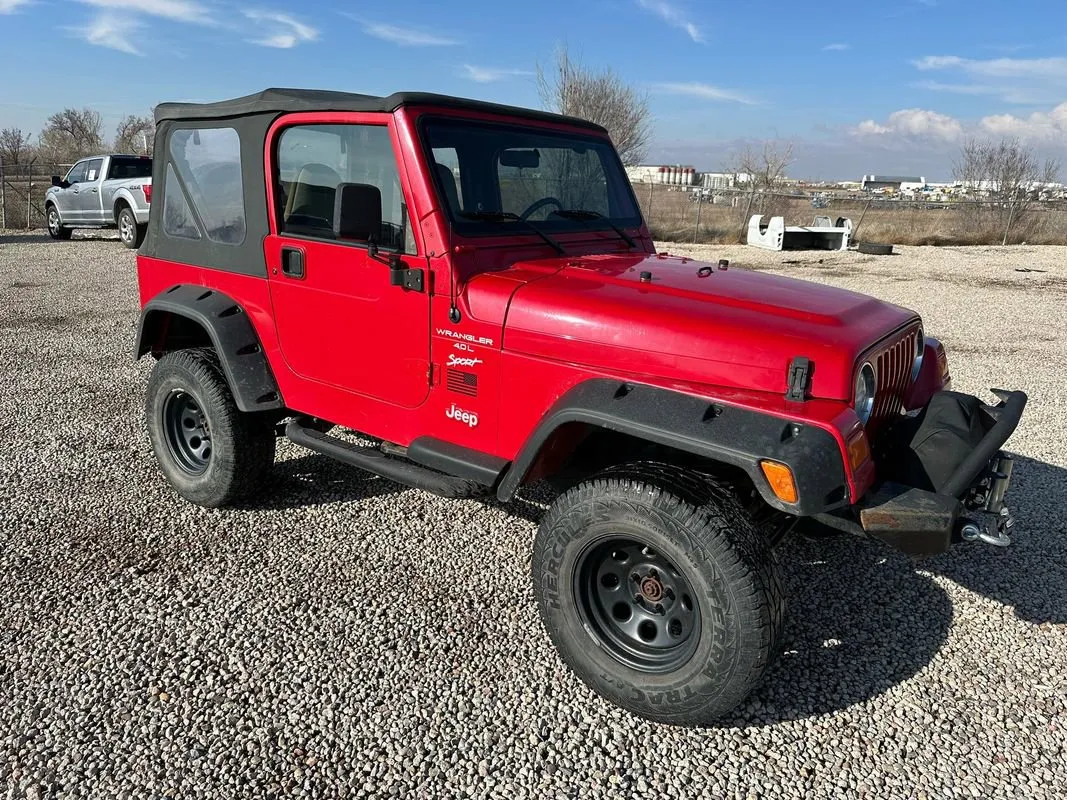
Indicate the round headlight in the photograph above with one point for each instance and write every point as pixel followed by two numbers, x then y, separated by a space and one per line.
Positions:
pixel 920 348
pixel 865 387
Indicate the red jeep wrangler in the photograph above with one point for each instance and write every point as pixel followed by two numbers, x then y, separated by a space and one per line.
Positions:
pixel 472 287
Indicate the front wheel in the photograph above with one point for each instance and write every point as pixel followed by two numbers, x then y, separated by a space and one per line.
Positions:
pixel 55 224
pixel 665 601
pixel 130 233
pixel 212 453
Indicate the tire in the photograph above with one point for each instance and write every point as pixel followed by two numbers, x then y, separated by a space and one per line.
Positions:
pixel 872 249
pixel 55 225
pixel 130 233
pixel 212 453
pixel 707 582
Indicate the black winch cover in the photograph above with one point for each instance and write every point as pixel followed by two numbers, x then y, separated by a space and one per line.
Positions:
pixel 934 443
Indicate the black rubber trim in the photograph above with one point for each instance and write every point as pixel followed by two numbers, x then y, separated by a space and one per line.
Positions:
pixel 730 435
pixel 374 460
pixel 1006 416
pixel 454 459
pixel 240 353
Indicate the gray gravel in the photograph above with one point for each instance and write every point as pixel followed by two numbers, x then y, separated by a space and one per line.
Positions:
pixel 348 638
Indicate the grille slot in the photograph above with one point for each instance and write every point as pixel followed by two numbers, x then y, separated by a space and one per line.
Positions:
pixel 456 380
pixel 893 370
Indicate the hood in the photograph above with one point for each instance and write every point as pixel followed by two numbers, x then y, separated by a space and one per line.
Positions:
pixel 730 327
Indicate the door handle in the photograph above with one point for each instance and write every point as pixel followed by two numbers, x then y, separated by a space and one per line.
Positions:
pixel 293 262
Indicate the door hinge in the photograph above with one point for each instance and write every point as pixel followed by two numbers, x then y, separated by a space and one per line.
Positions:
pixel 799 379
pixel 407 278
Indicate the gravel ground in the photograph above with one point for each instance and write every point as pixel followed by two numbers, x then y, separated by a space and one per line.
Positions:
pixel 349 638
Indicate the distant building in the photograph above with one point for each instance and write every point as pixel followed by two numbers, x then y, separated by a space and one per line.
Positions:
pixel 675 174
pixel 892 183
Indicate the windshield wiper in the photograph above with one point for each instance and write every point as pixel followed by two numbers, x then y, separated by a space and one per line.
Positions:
pixel 501 216
pixel 582 215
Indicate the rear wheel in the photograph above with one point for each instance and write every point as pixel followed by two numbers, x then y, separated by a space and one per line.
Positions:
pixel 660 593
pixel 55 225
pixel 130 233
pixel 210 452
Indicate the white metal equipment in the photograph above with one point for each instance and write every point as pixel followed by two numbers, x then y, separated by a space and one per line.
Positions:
pixel 822 234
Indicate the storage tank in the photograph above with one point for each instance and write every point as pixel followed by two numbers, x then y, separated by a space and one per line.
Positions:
pixel 676 175
pixel 662 174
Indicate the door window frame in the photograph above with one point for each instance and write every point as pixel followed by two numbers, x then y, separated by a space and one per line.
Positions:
pixel 298 119
pixel 84 162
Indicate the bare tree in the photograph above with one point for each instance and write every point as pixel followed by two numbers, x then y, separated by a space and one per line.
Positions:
pixel 1008 174
pixel 760 170
pixel 568 87
pixel 135 134
pixel 14 145
pixel 71 134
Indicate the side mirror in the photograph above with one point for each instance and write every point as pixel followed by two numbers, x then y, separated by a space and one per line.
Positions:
pixel 57 181
pixel 357 212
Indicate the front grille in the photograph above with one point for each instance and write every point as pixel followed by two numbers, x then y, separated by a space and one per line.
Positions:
pixel 892 369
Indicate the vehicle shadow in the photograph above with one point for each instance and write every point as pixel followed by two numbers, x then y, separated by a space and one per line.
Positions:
pixel 864 618
pixel 315 479
pixel 24 238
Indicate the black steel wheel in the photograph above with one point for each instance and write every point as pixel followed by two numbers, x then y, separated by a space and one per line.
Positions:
pixel 210 451
pixel 186 429
pixel 637 604
pixel 659 591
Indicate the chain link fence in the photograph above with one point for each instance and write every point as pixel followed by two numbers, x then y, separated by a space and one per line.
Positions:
pixel 22 188
pixel 691 214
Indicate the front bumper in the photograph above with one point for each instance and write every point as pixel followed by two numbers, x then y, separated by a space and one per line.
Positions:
pixel 944 479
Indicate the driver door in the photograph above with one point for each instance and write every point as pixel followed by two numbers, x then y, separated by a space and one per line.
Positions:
pixel 339 319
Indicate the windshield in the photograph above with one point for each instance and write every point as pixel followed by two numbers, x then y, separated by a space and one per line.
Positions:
pixel 487 172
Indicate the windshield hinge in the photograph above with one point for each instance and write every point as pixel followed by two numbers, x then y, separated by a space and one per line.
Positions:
pixel 799 379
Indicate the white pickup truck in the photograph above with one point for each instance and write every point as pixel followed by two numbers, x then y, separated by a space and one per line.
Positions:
pixel 113 191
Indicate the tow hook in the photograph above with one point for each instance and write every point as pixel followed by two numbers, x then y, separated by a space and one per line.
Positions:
pixel 989 528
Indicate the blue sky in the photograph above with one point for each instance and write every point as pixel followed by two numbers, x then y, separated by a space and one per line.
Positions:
pixel 887 86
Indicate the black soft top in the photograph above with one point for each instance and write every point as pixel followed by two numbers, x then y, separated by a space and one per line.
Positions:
pixel 289 100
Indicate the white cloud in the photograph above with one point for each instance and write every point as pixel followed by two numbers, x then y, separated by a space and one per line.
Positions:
pixel 178 10
pixel 704 91
pixel 114 31
pixel 957 88
pixel 1013 80
pixel 1041 125
pixel 674 16
pixel 913 122
pixel 407 37
pixel 837 46
pixel 1035 68
pixel 9 6
pixel 490 74
pixel 280 30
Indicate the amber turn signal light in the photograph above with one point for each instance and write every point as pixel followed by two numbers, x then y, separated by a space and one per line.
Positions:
pixel 780 477
pixel 859 450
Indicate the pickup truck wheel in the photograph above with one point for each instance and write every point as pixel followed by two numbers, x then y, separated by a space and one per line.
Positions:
pixel 210 452
pixel 55 227
pixel 665 604
pixel 131 234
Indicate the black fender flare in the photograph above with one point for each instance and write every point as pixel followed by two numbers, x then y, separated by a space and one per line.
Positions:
pixel 731 435
pixel 238 347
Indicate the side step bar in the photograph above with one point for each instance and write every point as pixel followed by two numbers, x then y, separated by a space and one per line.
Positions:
pixel 374 460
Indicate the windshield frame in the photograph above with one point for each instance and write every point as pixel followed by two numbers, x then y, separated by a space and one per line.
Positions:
pixel 556 228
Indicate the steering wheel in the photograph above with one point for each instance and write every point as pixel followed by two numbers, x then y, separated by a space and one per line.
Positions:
pixel 539 204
